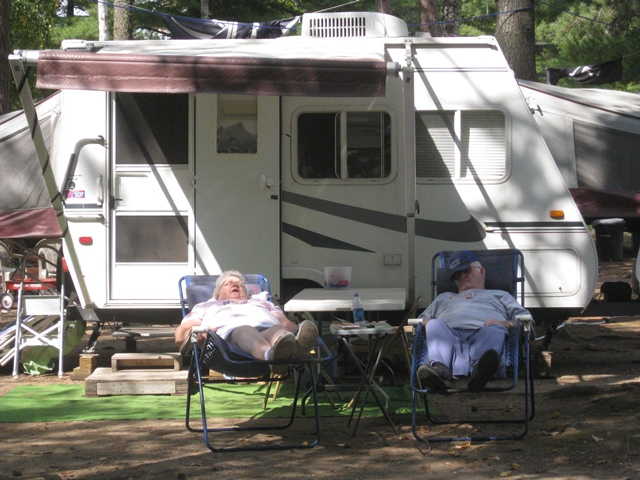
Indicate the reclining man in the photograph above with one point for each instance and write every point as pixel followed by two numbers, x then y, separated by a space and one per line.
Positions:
pixel 253 324
pixel 466 331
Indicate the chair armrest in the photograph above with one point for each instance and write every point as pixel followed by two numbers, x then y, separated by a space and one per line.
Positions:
pixel 526 320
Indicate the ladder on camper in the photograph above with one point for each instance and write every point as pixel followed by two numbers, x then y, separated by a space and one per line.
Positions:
pixel 25 332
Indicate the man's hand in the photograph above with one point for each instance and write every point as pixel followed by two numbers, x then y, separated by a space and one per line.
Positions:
pixel 501 323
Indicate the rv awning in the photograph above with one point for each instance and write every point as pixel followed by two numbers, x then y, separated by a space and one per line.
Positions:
pixel 252 74
pixel 31 223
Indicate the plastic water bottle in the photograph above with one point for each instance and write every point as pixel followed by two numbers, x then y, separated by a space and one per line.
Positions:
pixel 357 309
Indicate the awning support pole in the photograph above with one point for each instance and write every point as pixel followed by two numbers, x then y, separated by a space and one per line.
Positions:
pixel 20 77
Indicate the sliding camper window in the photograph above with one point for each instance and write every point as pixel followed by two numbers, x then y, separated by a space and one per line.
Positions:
pixel 344 145
pixel 151 238
pixel 461 145
pixel 151 129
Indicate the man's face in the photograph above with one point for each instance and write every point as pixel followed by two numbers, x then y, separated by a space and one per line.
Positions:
pixel 232 289
pixel 473 278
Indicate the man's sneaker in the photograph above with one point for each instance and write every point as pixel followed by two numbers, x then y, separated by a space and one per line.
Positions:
pixel 307 337
pixel 433 376
pixel 484 370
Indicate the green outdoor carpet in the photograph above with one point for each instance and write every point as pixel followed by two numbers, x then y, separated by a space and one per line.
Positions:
pixel 63 403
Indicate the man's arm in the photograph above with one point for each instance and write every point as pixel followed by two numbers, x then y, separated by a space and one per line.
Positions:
pixel 431 311
pixel 495 321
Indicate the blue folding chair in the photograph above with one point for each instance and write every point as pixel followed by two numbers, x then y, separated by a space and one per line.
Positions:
pixel 238 366
pixel 504 271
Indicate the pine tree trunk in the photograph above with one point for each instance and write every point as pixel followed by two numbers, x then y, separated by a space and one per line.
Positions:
pixel 427 15
pixel 122 20
pixel 383 6
pixel 5 73
pixel 450 12
pixel 71 8
pixel 515 32
pixel 205 11
pixel 103 22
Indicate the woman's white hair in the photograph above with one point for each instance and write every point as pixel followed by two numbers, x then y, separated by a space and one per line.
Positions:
pixel 224 276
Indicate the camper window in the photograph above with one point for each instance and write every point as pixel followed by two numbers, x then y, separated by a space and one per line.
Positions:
pixel 151 128
pixel 151 238
pixel 461 145
pixel 344 145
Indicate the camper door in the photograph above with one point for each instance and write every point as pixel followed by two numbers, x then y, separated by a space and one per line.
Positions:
pixel 151 197
pixel 237 197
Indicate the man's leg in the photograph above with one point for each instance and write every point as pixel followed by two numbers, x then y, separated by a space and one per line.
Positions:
pixel 485 350
pixel 441 342
pixel 435 363
pixel 484 339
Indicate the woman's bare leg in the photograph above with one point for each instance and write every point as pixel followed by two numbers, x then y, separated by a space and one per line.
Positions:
pixel 251 341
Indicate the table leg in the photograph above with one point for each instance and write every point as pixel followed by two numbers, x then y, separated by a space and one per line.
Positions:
pixel 368 383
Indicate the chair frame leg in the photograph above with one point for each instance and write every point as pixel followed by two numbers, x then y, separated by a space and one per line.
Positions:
pixel 196 381
pixel 528 403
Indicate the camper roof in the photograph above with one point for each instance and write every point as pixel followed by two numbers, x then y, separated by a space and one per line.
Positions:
pixel 615 101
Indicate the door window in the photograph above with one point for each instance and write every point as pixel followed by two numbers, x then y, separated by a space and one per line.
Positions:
pixel 151 129
pixel 151 238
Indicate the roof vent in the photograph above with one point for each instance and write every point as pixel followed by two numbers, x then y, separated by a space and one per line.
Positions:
pixel 352 24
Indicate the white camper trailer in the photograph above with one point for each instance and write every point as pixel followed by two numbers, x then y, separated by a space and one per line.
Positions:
pixel 351 144
pixel 593 135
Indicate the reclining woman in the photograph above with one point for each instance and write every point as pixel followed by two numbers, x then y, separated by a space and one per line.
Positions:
pixel 252 324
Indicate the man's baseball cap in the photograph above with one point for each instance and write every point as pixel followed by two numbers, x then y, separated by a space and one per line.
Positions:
pixel 460 261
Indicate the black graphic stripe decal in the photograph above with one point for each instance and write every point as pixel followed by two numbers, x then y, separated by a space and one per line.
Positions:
pixel 389 221
pixel 468 231
pixel 318 240
pixel 533 224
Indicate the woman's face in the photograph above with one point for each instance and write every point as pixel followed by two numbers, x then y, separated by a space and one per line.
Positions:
pixel 232 289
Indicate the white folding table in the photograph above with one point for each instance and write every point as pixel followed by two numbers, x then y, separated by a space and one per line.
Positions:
pixel 378 334
pixel 339 299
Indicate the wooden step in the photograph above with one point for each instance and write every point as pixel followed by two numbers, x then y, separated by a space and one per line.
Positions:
pixel 128 361
pixel 104 381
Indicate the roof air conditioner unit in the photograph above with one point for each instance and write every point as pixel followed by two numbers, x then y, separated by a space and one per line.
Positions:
pixel 352 24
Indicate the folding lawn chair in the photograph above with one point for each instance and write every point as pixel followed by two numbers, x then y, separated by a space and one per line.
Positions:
pixel 238 366
pixel 505 270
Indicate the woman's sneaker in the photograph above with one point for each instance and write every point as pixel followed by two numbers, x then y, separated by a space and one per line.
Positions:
pixel 307 338
pixel 284 349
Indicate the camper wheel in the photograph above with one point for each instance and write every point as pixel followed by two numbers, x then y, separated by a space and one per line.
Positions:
pixel 6 301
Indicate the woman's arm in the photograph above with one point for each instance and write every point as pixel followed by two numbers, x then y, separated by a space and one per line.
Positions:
pixel 284 321
pixel 184 329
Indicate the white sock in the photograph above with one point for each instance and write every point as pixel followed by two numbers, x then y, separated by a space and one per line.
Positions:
pixel 267 353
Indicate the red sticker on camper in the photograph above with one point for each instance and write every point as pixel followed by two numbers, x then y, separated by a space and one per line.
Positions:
pixel 75 194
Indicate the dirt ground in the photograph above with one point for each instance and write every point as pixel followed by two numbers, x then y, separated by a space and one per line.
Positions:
pixel 585 427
